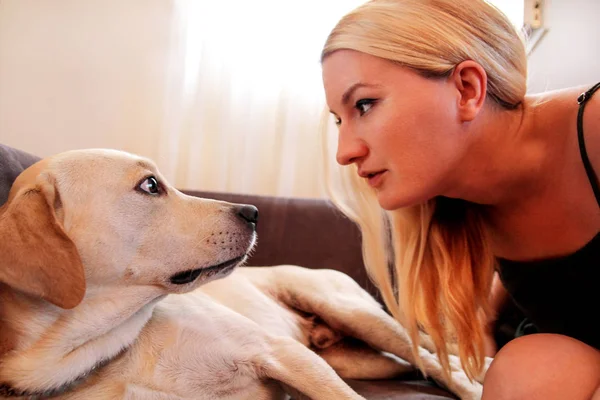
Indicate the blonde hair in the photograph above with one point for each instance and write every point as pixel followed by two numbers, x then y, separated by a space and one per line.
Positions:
pixel 431 262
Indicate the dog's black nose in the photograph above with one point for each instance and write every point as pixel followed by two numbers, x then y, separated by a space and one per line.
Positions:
pixel 249 214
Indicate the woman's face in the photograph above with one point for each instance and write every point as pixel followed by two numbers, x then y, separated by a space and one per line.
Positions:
pixel 401 130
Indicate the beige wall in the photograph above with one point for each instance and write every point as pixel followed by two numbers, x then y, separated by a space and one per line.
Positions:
pixel 569 53
pixel 63 86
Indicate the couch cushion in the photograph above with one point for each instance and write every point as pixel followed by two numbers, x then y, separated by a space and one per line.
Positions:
pixel 12 162
pixel 409 387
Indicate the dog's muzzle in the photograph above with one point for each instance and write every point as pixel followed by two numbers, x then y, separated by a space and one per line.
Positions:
pixel 185 277
pixel 249 214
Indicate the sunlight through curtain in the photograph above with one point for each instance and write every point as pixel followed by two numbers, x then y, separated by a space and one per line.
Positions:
pixel 246 95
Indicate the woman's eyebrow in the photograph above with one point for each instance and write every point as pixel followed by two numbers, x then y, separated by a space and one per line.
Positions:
pixel 348 93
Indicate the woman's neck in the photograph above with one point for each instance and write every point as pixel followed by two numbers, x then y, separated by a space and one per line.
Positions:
pixel 510 158
pixel 532 180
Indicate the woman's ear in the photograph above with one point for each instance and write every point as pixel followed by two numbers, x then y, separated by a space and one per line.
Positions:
pixel 470 80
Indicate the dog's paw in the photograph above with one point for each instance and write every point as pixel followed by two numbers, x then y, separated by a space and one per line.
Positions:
pixel 479 378
pixel 460 384
pixel 465 389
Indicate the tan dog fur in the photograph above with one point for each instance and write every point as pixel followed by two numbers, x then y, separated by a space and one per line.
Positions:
pixel 88 309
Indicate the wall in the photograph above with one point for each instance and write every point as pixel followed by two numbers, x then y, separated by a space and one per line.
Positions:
pixel 63 86
pixel 569 53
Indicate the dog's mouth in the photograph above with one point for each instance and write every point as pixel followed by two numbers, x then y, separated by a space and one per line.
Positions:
pixel 185 277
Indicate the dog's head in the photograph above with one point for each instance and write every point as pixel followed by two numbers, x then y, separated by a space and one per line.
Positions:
pixel 83 220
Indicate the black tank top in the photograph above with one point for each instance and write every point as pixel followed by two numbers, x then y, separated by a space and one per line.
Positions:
pixel 562 295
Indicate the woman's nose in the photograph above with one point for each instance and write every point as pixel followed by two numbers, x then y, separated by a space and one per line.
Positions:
pixel 350 149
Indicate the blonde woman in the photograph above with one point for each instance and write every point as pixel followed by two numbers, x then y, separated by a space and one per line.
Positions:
pixel 457 178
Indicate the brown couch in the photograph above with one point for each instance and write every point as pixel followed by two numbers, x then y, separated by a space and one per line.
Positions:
pixel 306 232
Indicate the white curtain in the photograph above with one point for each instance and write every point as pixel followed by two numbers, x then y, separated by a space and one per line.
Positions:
pixel 245 95
pixel 223 95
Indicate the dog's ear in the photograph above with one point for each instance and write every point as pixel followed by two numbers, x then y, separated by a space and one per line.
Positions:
pixel 36 255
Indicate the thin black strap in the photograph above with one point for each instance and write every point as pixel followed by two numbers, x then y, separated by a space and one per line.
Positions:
pixel 582 100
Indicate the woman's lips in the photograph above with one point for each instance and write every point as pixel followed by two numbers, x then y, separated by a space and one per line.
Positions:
pixel 376 178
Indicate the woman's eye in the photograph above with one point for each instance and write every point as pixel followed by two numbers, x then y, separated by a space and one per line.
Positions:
pixel 338 121
pixel 364 105
pixel 150 185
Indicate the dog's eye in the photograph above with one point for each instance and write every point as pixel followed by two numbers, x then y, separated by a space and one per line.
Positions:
pixel 150 185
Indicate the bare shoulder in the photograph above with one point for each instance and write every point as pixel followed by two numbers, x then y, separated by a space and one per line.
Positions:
pixel 559 109
pixel 563 217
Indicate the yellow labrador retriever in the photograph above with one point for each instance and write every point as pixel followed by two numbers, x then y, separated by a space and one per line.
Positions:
pixel 112 286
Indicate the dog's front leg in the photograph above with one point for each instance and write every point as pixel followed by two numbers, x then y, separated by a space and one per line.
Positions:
pixel 371 324
pixel 301 370
pixel 356 360
pixel 379 330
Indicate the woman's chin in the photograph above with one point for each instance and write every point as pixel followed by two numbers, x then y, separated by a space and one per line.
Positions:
pixel 395 201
